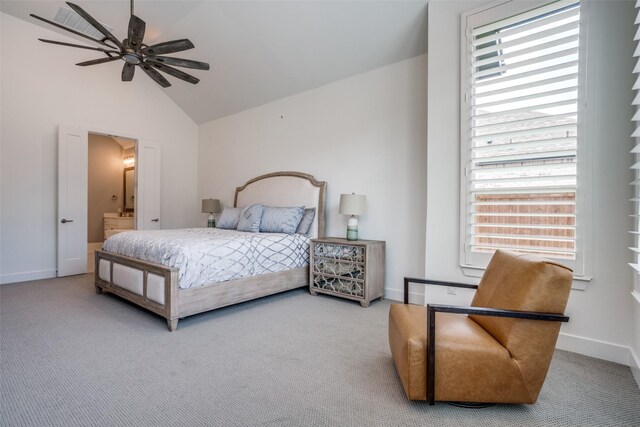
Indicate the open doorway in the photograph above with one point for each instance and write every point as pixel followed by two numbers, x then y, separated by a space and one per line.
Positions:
pixel 111 190
pixel 73 191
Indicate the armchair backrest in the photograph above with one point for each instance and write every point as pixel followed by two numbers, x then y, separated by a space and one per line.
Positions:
pixel 515 281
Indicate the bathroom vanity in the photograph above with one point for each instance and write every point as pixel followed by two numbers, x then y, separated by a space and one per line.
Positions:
pixel 114 224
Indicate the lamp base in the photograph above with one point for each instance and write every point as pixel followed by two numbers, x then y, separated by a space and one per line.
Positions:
pixel 211 222
pixel 352 228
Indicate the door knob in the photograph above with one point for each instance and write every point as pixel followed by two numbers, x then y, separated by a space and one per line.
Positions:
pixel 155 220
pixel 64 221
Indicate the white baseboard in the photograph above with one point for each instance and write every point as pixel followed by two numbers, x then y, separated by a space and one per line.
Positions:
pixel 393 294
pixel 634 364
pixel 398 295
pixel 25 277
pixel 595 348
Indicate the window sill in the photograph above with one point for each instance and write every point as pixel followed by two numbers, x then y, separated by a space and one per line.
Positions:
pixel 580 283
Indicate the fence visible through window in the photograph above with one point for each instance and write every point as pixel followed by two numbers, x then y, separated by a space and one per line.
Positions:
pixel 542 223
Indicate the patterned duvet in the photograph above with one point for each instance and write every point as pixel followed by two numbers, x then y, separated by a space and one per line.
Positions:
pixel 209 255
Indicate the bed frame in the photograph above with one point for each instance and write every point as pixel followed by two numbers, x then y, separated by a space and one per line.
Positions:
pixel 155 287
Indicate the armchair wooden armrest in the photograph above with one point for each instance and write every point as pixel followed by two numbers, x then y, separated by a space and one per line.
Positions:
pixel 432 309
pixel 408 280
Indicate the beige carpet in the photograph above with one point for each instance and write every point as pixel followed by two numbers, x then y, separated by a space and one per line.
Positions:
pixel 70 357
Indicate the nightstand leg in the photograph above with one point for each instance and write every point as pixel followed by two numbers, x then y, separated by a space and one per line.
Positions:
pixel 312 292
pixel 364 304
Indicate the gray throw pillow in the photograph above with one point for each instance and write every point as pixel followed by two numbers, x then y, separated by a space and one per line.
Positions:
pixel 306 221
pixel 229 218
pixel 281 219
pixel 250 219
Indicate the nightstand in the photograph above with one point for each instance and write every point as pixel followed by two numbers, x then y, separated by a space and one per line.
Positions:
pixel 352 269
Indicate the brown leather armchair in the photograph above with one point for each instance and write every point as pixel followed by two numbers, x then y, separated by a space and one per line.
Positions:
pixel 498 350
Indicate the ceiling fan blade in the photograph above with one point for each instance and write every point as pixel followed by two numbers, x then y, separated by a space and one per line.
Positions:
pixel 99 49
pixel 156 76
pixel 98 61
pixel 127 72
pixel 55 24
pixel 95 24
pixel 175 73
pixel 136 32
pixel 179 62
pixel 168 47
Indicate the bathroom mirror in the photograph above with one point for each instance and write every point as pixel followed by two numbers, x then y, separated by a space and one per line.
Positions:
pixel 129 189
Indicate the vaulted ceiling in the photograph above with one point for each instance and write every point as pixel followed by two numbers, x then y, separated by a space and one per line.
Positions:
pixel 259 51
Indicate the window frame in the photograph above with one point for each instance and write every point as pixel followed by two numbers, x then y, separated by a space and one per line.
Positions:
pixel 493 12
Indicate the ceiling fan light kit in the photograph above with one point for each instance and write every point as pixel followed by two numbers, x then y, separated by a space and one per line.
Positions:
pixel 132 50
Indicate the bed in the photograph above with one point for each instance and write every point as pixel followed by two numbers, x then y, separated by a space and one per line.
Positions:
pixel 156 287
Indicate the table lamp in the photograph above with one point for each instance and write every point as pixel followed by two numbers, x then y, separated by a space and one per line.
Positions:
pixel 211 206
pixel 353 204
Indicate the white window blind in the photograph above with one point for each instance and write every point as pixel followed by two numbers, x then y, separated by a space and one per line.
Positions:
pixel 520 133
pixel 635 151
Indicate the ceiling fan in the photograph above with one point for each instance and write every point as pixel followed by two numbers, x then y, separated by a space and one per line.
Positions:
pixel 133 51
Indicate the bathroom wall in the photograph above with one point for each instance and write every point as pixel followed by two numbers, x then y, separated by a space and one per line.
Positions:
pixel 105 181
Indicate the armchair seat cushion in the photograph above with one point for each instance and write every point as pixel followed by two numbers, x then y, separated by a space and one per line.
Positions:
pixel 471 365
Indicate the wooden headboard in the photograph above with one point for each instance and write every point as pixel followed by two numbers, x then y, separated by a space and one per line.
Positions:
pixel 286 189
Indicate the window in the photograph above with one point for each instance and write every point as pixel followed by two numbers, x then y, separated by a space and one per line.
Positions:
pixel 521 132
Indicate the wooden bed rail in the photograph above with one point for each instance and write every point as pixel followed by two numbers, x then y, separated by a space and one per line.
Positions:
pixel 168 308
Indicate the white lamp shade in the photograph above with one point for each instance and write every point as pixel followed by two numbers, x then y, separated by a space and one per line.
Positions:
pixel 353 204
pixel 210 206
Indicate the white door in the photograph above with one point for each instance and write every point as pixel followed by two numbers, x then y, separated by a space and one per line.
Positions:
pixel 148 164
pixel 73 149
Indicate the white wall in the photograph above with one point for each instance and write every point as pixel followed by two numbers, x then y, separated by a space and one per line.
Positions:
pixel 601 316
pixel 42 88
pixel 635 346
pixel 365 134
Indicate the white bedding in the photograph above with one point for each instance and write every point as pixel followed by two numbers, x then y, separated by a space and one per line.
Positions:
pixel 210 255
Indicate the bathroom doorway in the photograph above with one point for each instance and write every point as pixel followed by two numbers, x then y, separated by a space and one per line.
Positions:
pixel 111 190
